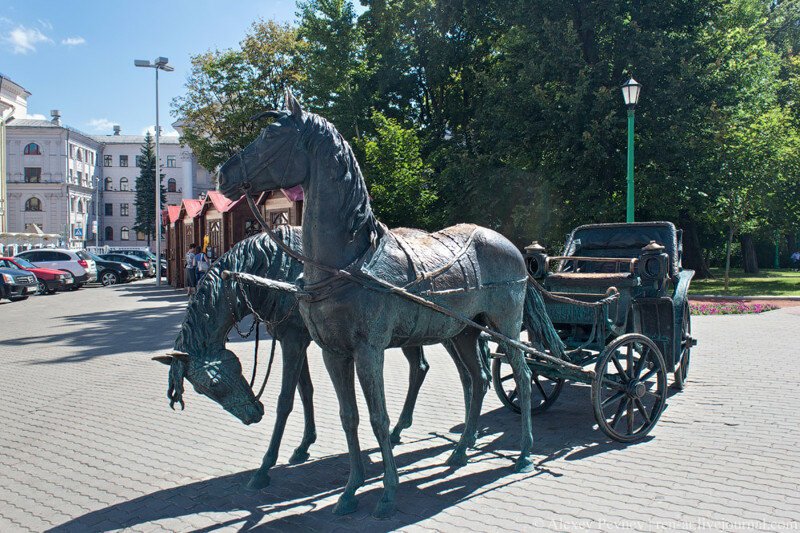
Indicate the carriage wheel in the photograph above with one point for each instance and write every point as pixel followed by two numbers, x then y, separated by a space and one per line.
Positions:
pixel 544 390
pixel 682 372
pixel 629 390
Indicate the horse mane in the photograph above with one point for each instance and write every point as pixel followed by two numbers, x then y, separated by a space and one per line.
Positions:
pixel 322 139
pixel 254 255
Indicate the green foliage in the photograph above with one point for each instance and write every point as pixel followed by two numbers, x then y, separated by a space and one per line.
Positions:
pixel 398 180
pixel 145 190
pixel 226 88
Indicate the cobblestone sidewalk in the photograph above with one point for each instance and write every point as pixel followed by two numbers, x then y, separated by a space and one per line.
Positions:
pixel 88 442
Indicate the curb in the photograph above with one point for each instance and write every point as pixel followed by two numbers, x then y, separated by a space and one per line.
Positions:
pixel 742 298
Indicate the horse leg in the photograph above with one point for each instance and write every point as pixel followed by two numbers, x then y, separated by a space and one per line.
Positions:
pixel 466 346
pixel 294 354
pixel 522 377
pixel 369 365
pixel 310 431
pixel 340 370
pixel 417 368
pixel 463 374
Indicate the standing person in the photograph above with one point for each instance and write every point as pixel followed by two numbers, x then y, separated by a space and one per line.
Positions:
pixel 190 270
pixel 201 260
pixel 796 260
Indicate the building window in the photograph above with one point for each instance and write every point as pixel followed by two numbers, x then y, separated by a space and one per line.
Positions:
pixel 107 183
pixel 172 186
pixel 107 161
pixel 123 160
pixel 80 178
pixel 33 175
pixel 139 161
pixel 171 161
pixel 80 206
pixel 33 204
pixel 110 232
pixel 32 149
pixel 109 210
pixel 124 233
pixel 79 155
pixel 123 210
pixel 123 184
pixel 140 236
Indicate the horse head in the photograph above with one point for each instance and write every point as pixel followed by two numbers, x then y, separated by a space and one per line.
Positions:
pixel 217 375
pixel 276 159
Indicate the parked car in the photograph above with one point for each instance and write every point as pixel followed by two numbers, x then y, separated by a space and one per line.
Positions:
pixel 144 265
pixel 16 284
pixel 49 279
pixel 76 262
pixel 142 253
pixel 113 272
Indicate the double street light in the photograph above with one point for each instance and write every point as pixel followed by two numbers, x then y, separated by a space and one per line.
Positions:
pixel 630 93
pixel 160 63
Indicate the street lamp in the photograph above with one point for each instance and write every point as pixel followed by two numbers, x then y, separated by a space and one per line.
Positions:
pixel 630 93
pixel 160 63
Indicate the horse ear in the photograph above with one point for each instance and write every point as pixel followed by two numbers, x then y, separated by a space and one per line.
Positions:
pixel 164 359
pixel 267 114
pixel 293 105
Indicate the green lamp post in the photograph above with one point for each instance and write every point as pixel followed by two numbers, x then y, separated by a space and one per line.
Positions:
pixel 630 93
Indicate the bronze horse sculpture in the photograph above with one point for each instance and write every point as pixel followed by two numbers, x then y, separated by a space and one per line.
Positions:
pixel 201 355
pixel 473 271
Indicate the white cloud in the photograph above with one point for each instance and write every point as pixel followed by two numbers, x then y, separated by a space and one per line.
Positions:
pixel 73 41
pixel 165 132
pixel 101 124
pixel 45 24
pixel 24 40
pixel 36 116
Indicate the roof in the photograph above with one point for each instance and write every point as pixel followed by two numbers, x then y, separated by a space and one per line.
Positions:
pixel 6 78
pixel 133 139
pixel 174 212
pixel 40 123
pixel 220 202
pixel 192 207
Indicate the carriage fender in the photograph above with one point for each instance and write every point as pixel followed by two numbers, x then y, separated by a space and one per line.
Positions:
pixel 680 297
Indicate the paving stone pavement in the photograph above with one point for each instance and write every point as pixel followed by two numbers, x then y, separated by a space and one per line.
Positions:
pixel 88 442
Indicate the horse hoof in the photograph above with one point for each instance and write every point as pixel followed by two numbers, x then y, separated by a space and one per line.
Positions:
pixel 299 456
pixel 394 438
pixel 457 459
pixel 384 510
pixel 258 481
pixel 523 465
pixel 345 506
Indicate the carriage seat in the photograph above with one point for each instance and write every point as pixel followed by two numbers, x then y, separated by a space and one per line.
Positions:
pixel 599 280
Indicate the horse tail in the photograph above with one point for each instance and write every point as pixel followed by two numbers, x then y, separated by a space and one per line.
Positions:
pixel 485 357
pixel 537 322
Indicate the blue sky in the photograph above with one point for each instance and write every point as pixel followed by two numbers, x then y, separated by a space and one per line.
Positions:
pixel 78 56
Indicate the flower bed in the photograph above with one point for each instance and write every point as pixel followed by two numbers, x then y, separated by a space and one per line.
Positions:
pixel 729 308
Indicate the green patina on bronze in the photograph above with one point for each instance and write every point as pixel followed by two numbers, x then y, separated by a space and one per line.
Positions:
pixel 468 271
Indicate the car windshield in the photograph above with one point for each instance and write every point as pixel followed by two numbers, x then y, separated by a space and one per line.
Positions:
pixel 95 257
pixel 82 254
pixel 23 263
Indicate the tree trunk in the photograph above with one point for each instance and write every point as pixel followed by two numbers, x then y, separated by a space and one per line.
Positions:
pixel 692 251
pixel 749 257
pixel 728 258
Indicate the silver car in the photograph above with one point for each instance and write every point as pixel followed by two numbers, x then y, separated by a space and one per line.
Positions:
pixel 77 262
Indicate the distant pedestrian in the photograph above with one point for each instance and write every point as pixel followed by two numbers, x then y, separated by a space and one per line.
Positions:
pixel 796 260
pixel 201 260
pixel 190 270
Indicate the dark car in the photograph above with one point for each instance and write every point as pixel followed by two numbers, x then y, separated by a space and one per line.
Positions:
pixel 16 284
pixel 50 280
pixel 145 255
pixel 145 266
pixel 112 272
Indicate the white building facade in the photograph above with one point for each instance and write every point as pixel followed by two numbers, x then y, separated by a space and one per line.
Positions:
pixel 57 180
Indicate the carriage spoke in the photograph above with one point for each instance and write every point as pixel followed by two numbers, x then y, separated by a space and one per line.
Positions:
pixel 650 374
pixel 612 399
pixel 539 386
pixel 619 368
pixel 502 380
pixel 613 385
pixel 629 357
pixel 653 394
pixel 630 416
pixel 642 410
pixel 640 364
pixel 618 414
pixel 512 396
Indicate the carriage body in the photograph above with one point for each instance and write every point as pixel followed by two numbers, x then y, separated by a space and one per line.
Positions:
pixel 617 296
pixel 642 261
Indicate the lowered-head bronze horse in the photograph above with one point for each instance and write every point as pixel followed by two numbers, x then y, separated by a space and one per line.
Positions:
pixel 467 269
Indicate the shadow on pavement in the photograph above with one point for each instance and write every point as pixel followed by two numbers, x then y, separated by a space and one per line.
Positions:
pixel 299 489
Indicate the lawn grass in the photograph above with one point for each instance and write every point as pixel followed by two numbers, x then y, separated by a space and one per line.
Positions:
pixel 766 283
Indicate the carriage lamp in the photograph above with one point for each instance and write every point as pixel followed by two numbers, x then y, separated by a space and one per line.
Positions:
pixel 536 259
pixel 652 264
pixel 630 94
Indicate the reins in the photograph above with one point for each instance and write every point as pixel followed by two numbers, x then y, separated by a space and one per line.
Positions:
pixel 255 364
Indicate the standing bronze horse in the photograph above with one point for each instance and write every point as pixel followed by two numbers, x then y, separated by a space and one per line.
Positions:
pixel 201 355
pixel 469 270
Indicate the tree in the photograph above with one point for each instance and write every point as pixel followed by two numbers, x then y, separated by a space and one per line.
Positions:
pixel 145 190
pixel 398 180
pixel 226 88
